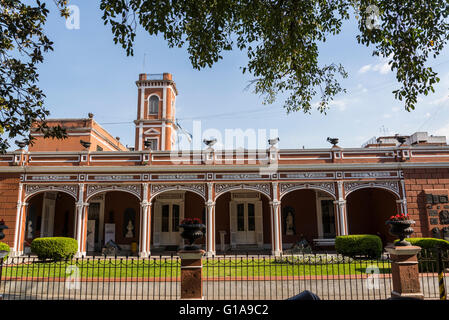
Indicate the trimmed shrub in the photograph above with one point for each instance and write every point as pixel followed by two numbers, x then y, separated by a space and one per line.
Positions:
pixel 359 245
pixel 4 247
pixel 55 248
pixel 429 243
pixel 428 256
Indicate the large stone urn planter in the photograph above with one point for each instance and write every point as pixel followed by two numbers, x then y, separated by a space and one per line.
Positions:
pixel 401 229
pixel 192 232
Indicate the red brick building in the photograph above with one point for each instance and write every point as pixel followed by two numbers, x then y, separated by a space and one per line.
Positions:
pixel 261 199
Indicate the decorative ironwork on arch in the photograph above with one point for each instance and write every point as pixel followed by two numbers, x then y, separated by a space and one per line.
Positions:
pixel 392 186
pixel 222 188
pixel 93 189
pixel 328 187
pixel 33 189
pixel 199 189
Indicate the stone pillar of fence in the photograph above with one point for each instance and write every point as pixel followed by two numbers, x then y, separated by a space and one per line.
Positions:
pixel 191 274
pixel 405 273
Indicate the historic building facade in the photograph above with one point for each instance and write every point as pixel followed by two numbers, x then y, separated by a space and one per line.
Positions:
pixel 260 199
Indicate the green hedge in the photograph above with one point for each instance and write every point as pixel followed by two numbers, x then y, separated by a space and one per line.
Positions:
pixel 4 247
pixel 56 248
pixel 428 257
pixel 359 245
pixel 429 243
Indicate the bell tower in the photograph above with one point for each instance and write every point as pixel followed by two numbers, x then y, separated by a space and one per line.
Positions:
pixel 156 109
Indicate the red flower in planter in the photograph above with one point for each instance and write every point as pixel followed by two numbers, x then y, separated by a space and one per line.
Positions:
pixel 398 217
pixel 187 221
pixel 191 221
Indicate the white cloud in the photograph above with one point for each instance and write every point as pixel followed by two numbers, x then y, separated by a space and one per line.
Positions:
pixel 339 104
pixel 443 131
pixel 365 68
pixel 395 109
pixel 441 100
pixel 382 67
pixel 362 88
pixel 387 115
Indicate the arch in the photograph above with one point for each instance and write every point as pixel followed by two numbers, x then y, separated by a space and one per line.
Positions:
pixel 159 189
pixel 51 215
pixel 93 190
pixel 390 186
pixel 327 188
pixel 223 189
pixel 153 103
pixel 32 190
pixel 368 208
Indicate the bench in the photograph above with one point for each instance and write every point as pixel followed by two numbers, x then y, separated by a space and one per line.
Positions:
pixel 324 242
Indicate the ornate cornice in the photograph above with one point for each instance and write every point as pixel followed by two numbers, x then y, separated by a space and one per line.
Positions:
pixel 198 188
pixel 221 188
pixel 328 187
pixel 93 189
pixel 392 186
pixel 71 189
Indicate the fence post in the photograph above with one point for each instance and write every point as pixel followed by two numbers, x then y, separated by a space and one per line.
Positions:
pixel 440 270
pixel 1 274
pixel 405 273
pixel 191 274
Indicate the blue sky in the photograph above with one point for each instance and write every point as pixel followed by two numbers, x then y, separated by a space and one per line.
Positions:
pixel 87 72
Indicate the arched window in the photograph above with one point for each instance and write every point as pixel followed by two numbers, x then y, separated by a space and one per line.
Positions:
pixel 153 103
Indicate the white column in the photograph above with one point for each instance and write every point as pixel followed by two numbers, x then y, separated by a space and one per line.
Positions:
pixel 16 250
pixel 210 241
pixel 276 234
pixel 404 198
pixel 144 248
pixel 210 221
pixel 401 205
pixel 342 218
pixel 80 225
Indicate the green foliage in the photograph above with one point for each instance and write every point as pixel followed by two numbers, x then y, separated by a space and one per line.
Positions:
pixel 429 243
pixel 282 39
pixel 428 257
pixel 55 248
pixel 22 45
pixel 359 245
pixel 4 247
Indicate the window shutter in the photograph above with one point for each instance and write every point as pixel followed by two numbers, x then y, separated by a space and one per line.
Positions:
pixel 233 222
pixel 259 223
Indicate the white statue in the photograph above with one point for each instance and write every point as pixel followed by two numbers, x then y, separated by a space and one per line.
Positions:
pixel 30 229
pixel 130 229
pixel 289 223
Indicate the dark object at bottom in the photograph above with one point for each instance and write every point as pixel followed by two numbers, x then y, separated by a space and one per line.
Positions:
pixel 404 298
pixel 305 295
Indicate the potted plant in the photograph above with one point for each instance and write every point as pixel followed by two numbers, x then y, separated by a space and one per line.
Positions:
pixel 400 227
pixel 193 229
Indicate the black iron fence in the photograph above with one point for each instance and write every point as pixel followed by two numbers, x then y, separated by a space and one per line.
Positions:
pixel 433 268
pixel 330 276
pixel 91 278
pixel 245 277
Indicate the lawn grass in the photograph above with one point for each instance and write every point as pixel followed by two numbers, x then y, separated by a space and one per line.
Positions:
pixel 166 268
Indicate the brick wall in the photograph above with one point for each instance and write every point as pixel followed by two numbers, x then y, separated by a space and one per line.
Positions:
pixel 9 189
pixel 416 181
